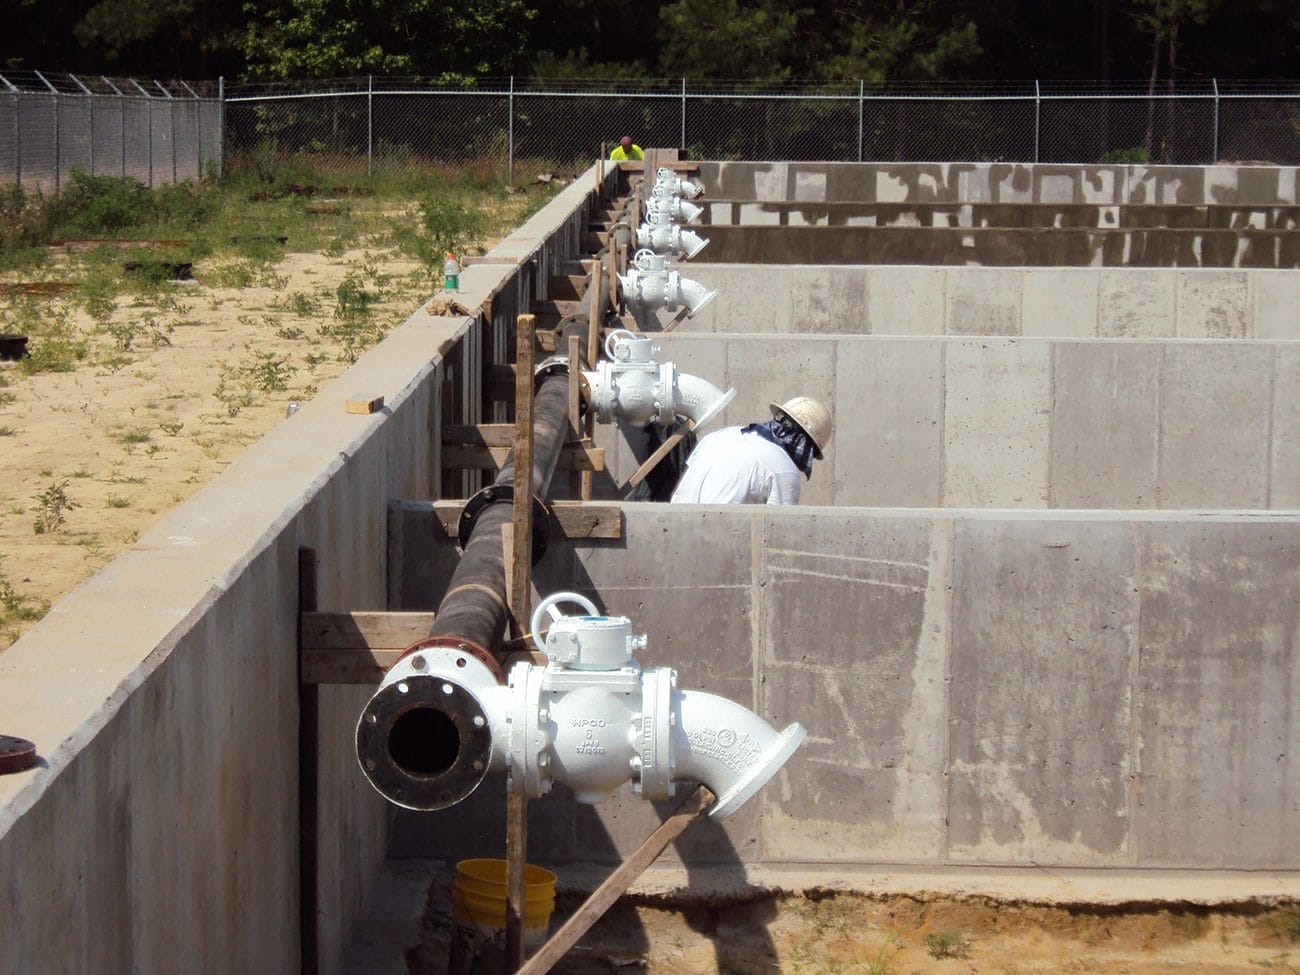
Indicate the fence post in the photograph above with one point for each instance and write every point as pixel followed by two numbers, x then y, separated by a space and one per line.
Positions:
pixel 861 92
pixel 370 125
pixel 221 127
pixel 18 138
pixel 1216 121
pixel 510 134
pixel 682 144
pixel 1038 114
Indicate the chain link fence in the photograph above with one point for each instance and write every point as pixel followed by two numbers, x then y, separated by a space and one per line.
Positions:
pixel 157 133
pixel 375 122
pixel 150 131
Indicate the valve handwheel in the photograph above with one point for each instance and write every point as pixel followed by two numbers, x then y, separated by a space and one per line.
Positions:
pixel 550 607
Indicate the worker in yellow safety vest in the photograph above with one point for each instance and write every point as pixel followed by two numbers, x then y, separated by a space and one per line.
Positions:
pixel 627 150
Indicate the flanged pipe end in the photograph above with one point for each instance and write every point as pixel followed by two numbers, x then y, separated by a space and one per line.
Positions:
pixel 492 494
pixel 424 742
pixel 757 777
pixel 16 754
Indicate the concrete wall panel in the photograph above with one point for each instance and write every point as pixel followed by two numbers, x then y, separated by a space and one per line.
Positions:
pixel 1214 305
pixel 1105 425
pixel 905 301
pixel 889 414
pixel 1284 464
pixel 997 406
pixel 1215 401
pixel 1039 713
pixel 1276 313
pixel 845 609
pixel 1058 302
pixel 1217 718
pixel 982 301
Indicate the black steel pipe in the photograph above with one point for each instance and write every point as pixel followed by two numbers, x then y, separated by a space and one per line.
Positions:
pixel 474 609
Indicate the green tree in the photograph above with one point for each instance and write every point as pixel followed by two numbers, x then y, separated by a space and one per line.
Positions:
pixel 721 39
pixel 449 41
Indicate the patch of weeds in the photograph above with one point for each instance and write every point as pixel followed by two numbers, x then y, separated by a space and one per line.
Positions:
pixel 118 501
pixel 171 428
pixel 270 373
pixel 17 608
pixel 95 548
pixel 54 343
pixel 148 329
pixel 80 474
pixel 301 303
pixel 52 506
pixel 882 963
pixel 136 436
pixel 946 944
pixel 290 333
pixel 101 206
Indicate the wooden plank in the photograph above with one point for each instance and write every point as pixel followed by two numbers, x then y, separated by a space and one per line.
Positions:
pixel 617 883
pixel 308 785
pixel 346 665
pixel 573 457
pixel 364 405
pixel 520 566
pixel 570 519
pixel 653 460
pixel 546 339
pixel 376 631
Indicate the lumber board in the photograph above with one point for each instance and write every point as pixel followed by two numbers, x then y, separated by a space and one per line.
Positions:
pixel 375 630
pixel 573 457
pixel 570 519
pixel 617 883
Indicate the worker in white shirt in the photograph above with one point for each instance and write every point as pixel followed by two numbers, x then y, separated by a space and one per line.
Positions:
pixel 760 463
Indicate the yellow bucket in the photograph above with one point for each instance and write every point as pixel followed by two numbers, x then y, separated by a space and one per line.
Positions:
pixel 478 896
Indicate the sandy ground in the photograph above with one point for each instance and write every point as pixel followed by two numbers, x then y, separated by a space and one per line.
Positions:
pixel 758 932
pixel 91 457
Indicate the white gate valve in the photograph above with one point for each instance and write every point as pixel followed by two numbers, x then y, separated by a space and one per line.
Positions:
pixel 649 284
pixel 630 385
pixel 590 719
pixel 674 208
pixel 663 236
pixel 669 180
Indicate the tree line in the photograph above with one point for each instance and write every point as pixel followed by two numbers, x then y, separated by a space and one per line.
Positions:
pixel 809 42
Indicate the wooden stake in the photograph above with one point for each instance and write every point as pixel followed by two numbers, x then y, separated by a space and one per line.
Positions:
pixel 603 898
pixel 653 460
pixel 521 564
pixel 596 321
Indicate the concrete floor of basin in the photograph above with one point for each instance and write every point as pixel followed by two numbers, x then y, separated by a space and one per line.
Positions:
pixel 756 931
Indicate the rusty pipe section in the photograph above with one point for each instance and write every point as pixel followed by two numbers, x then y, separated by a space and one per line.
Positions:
pixel 474 609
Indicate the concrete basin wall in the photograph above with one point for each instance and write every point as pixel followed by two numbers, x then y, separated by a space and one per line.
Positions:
pixel 885 182
pixel 1051 302
pixel 1021 423
pixel 161 831
pixel 981 689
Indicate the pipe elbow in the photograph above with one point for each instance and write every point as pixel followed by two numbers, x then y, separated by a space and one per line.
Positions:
pixel 698 400
pixel 727 747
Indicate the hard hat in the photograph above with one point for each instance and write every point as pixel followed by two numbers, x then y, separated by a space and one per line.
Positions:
pixel 811 417
pixel 625 141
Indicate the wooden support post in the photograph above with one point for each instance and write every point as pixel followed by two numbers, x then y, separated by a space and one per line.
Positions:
pixel 603 898
pixel 613 273
pixel 579 484
pixel 521 565
pixel 308 783
pixel 596 322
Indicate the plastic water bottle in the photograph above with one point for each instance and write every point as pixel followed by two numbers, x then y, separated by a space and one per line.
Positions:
pixel 451 273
